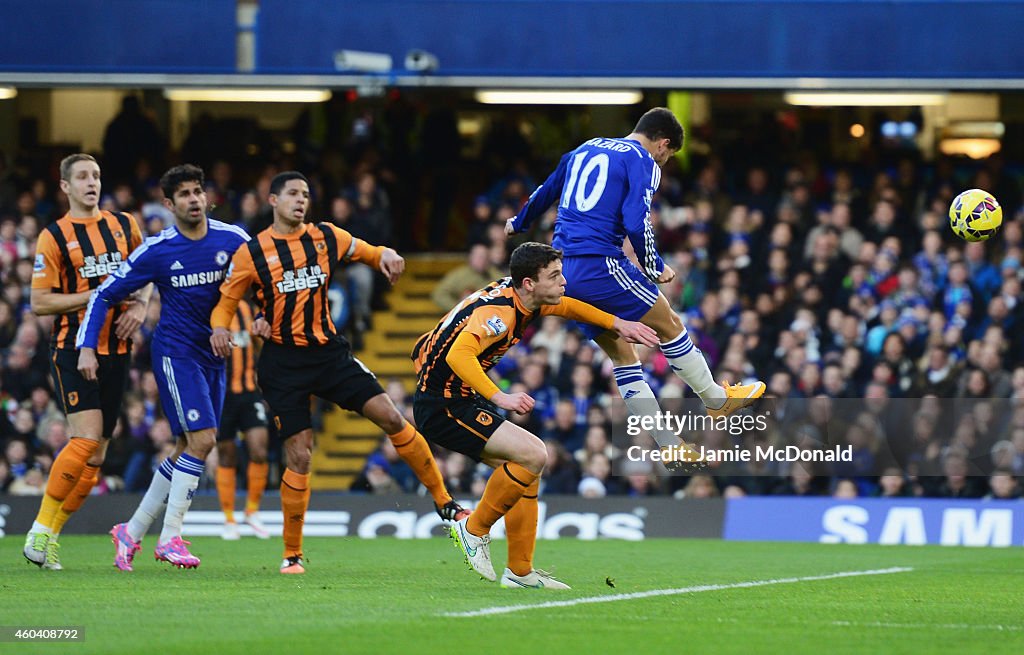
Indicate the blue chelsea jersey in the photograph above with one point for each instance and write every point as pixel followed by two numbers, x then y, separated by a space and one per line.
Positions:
pixel 188 274
pixel 604 190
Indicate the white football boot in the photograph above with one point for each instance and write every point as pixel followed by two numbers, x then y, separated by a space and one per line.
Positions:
pixel 535 579
pixel 476 550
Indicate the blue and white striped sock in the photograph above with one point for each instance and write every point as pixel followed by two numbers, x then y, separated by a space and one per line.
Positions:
pixel 689 364
pixel 183 485
pixel 153 502
pixel 640 399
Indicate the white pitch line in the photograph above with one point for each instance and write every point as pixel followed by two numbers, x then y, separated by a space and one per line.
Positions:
pixel 508 609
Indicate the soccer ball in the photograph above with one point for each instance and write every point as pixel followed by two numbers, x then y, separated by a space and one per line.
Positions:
pixel 975 215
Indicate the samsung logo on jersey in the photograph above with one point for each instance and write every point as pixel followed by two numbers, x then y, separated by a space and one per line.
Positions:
pixel 193 279
pixel 608 144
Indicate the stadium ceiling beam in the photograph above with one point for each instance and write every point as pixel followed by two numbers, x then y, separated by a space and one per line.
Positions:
pixel 164 80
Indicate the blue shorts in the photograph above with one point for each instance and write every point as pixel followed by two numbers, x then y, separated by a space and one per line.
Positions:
pixel 191 394
pixel 613 285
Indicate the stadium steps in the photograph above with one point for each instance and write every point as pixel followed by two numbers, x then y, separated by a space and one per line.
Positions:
pixel 347 438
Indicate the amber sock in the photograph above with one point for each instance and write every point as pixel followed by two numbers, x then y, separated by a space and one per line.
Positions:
pixel 256 476
pixel 64 476
pixel 507 485
pixel 415 450
pixel 521 530
pixel 294 501
pixel 226 491
pixel 90 476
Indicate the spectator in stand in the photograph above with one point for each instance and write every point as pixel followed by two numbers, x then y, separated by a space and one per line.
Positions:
pixel 130 137
pixel 893 484
pixel 561 476
pixel 459 282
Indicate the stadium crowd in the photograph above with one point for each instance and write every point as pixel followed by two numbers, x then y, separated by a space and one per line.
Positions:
pixel 839 285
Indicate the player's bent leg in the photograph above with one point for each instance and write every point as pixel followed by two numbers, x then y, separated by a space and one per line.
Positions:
pixel 513 444
pixel 640 400
pixel 298 451
pixel 295 497
pixel 629 379
pixel 662 319
pixel 525 457
pixel 86 429
pixel 187 470
pixel 414 450
pixel 384 414
pixel 227 454
pixel 100 455
pixel 521 531
pixel 89 478
pixel 155 499
pixel 687 361
pixel 256 441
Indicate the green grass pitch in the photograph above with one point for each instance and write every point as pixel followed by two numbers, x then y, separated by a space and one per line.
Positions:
pixel 389 596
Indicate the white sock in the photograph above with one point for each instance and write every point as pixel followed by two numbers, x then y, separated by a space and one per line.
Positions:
pixel 153 502
pixel 38 527
pixel 640 399
pixel 689 364
pixel 183 485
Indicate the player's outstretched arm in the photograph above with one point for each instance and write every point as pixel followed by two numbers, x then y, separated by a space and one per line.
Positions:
pixel 541 198
pixel 392 265
pixel 132 275
pixel 577 310
pixel 636 332
pixel 382 258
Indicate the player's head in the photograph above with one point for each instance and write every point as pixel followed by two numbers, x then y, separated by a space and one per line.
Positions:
pixel 662 129
pixel 80 180
pixel 536 269
pixel 289 196
pixel 184 193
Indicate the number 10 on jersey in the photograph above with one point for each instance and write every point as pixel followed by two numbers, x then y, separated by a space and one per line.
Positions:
pixel 576 188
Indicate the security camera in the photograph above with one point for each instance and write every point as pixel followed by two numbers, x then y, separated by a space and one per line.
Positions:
pixel 363 62
pixel 421 61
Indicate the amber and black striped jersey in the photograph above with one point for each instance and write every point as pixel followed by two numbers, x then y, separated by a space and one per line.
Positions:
pixel 289 274
pixel 496 317
pixel 241 364
pixel 77 254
